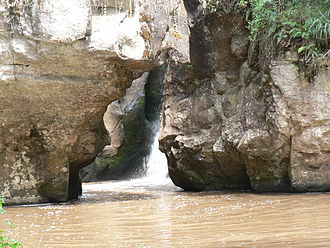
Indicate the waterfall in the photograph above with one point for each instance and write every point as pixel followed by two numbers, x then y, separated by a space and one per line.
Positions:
pixel 155 165
pixel 153 177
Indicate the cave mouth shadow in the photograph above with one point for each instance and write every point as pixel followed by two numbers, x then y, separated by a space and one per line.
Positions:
pixel 75 183
pixel 131 124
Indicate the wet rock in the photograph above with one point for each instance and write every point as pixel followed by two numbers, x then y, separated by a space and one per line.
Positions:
pixel 129 122
pixel 153 89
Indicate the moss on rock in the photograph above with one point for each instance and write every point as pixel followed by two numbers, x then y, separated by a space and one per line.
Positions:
pixel 54 192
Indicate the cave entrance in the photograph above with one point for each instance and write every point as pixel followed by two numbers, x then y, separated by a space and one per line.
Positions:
pixel 132 124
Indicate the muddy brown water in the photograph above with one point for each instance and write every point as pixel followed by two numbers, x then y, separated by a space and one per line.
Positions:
pixel 142 214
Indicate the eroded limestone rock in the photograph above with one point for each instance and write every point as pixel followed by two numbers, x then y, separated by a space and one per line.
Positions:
pixel 202 100
pixel 230 124
pixel 61 64
pixel 129 136
pixel 130 122
pixel 303 113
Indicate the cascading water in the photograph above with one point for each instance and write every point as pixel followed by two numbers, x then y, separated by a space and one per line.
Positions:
pixel 154 175
pixel 155 165
pixel 151 171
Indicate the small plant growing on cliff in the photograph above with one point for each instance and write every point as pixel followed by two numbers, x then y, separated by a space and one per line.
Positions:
pixel 5 241
pixel 2 201
pixel 212 4
pixel 300 25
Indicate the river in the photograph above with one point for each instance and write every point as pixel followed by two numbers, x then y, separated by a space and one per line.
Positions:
pixel 152 212
pixel 131 214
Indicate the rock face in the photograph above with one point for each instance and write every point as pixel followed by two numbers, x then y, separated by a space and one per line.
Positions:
pixel 61 64
pixel 130 125
pixel 129 136
pixel 302 114
pixel 201 97
pixel 228 124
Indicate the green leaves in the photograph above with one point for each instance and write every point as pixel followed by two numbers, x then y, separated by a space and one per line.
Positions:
pixel 2 201
pixel 303 25
pixel 11 224
pixel 6 242
pixel 320 26
pixel 261 14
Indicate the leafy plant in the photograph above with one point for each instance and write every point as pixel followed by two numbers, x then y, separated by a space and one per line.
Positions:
pixel 5 241
pixel 301 25
pixel 2 201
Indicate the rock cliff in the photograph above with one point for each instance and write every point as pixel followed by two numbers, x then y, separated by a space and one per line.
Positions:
pixel 230 124
pixel 61 64
pixel 230 120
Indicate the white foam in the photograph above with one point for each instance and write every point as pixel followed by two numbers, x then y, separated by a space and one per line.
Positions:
pixel 156 164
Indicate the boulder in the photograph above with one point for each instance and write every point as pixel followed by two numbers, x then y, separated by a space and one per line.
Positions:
pixel 202 104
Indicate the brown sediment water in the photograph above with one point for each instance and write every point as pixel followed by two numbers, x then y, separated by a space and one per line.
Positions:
pixel 141 214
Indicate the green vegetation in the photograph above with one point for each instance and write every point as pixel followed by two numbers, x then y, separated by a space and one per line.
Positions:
pixel 299 25
pixel 5 241
pixel 302 26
